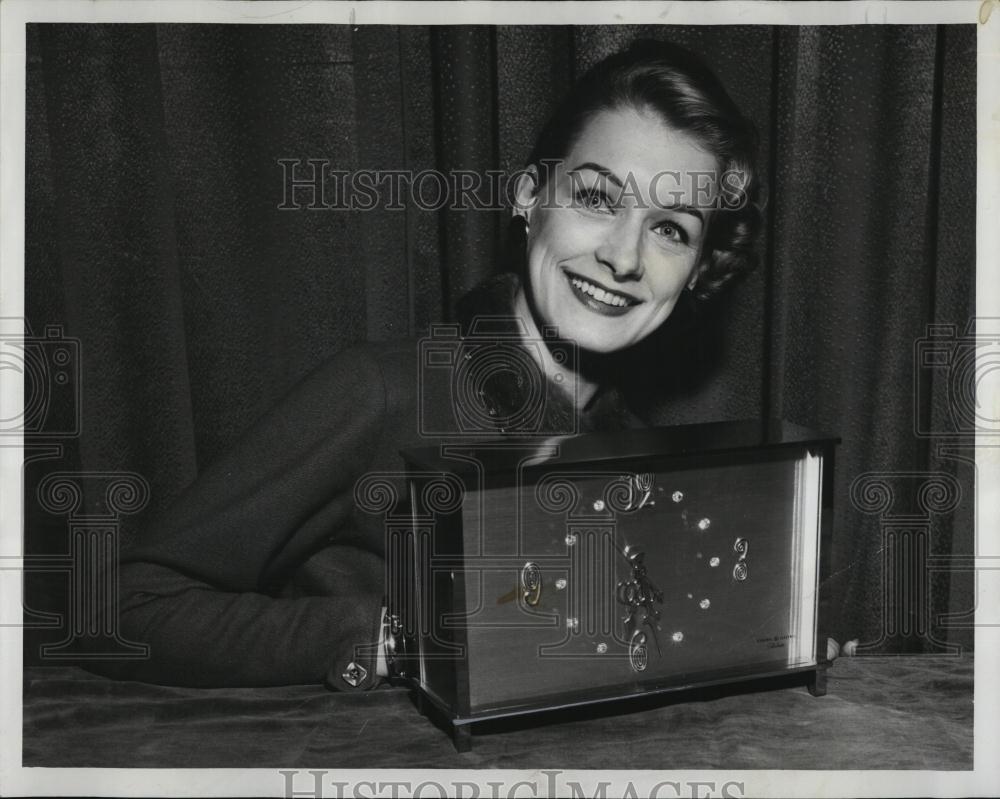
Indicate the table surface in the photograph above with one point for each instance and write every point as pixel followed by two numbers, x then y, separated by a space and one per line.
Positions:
pixel 903 712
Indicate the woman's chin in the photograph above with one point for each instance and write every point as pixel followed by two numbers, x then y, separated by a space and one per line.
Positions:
pixel 594 339
pixel 594 330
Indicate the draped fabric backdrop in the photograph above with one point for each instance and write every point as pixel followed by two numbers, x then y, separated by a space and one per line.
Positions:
pixel 154 237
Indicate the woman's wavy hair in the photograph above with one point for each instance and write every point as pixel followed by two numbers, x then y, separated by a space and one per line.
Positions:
pixel 678 85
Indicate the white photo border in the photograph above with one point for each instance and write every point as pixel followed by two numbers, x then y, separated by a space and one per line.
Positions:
pixel 15 780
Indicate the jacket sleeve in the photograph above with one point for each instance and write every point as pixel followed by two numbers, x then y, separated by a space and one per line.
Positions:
pixel 201 585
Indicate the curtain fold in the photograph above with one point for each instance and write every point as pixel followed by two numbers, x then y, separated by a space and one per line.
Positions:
pixel 466 121
pixel 115 237
pixel 156 236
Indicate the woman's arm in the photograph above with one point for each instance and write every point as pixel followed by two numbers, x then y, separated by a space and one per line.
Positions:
pixel 210 586
pixel 202 636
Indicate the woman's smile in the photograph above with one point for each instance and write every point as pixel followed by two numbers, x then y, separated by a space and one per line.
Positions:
pixel 598 297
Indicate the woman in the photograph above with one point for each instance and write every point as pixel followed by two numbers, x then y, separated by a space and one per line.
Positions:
pixel 265 572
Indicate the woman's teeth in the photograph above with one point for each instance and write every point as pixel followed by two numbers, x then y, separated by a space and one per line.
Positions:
pixel 600 294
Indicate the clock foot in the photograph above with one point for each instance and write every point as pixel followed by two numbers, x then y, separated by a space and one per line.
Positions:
pixel 817 682
pixel 462 737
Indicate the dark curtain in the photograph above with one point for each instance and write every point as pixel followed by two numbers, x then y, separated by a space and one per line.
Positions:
pixel 155 239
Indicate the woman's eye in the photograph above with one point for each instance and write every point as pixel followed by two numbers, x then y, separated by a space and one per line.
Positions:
pixel 593 200
pixel 671 231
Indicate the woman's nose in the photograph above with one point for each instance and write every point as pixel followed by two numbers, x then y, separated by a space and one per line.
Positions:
pixel 620 249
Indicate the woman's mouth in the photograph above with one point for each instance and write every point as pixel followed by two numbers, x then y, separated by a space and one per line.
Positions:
pixel 599 299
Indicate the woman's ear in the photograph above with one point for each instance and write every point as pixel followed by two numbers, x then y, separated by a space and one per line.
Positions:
pixel 526 192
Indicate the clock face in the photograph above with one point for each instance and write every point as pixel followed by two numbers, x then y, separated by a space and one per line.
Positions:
pixel 650 572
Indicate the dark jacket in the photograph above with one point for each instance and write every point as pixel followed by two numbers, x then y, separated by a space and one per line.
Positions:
pixel 264 571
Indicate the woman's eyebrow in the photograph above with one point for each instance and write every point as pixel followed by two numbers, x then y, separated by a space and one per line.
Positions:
pixel 686 209
pixel 601 170
pixel 690 210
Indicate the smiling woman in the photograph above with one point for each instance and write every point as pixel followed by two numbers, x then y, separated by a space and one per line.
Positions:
pixel 611 245
pixel 252 364
pixel 626 259
pixel 267 569
pixel 608 271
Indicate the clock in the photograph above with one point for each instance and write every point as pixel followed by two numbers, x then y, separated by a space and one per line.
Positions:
pixel 540 573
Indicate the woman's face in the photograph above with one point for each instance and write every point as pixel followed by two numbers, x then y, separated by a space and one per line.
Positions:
pixel 615 236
